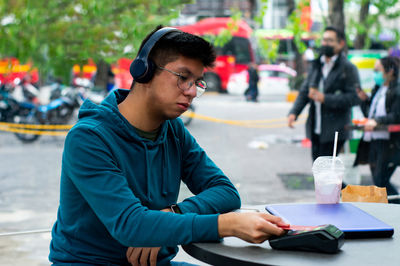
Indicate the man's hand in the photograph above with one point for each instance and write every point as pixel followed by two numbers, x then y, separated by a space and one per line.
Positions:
pixel 361 94
pixel 142 256
pixel 291 119
pixel 251 227
pixel 316 95
pixel 370 125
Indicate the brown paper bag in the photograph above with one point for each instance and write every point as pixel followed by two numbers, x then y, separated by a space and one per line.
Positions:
pixel 364 194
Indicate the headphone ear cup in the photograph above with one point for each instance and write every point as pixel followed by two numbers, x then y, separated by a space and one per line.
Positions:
pixel 138 69
pixel 148 75
pixel 142 68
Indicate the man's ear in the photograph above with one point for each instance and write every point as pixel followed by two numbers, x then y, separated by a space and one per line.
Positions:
pixel 342 43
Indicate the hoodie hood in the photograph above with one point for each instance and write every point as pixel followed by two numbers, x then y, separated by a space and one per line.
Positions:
pixel 107 115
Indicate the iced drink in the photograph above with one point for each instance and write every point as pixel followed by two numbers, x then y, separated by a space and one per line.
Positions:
pixel 328 179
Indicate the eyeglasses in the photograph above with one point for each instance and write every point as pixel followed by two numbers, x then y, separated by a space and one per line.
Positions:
pixel 328 40
pixel 184 83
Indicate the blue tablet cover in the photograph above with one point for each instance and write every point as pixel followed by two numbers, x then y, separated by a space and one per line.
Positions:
pixel 353 221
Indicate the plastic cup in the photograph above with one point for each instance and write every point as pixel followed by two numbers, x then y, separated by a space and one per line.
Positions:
pixel 328 178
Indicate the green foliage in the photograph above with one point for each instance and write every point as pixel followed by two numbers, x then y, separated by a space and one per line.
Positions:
pixel 226 34
pixel 262 11
pixel 56 34
pixel 385 9
pixel 295 26
pixel 268 49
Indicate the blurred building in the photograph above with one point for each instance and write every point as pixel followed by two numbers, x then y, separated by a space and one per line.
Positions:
pixel 216 8
pixel 276 16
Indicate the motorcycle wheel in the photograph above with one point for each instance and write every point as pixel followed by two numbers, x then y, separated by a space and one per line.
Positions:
pixel 187 116
pixel 213 82
pixel 27 138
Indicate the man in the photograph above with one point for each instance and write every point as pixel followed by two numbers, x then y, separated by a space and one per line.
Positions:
pixel 124 160
pixel 330 88
pixel 252 91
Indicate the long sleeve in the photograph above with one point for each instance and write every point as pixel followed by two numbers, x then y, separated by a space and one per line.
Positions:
pixel 214 193
pixel 94 173
pixel 393 113
pixel 302 98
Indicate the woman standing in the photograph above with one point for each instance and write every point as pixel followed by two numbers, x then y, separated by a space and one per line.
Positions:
pixel 382 108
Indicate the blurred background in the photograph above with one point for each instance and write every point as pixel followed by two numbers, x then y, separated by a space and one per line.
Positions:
pixel 91 43
pixel 55 54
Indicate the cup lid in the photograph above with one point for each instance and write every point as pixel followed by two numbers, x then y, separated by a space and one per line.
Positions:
pixel 326 162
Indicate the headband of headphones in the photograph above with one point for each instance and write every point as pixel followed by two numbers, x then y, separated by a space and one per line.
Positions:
pixel 142 68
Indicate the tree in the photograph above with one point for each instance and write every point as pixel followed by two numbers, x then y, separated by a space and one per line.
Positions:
pixel 336 14
pixel 296 27
pixel 57 34
pixel 368 23
pixel 362 31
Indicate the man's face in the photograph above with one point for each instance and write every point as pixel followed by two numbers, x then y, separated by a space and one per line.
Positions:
pixel 167 100
pixel 329 38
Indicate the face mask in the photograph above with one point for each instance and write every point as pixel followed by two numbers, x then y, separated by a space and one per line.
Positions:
pixel 327 50
pixel 378 78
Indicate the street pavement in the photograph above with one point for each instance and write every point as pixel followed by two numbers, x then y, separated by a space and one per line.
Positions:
pixel 255 154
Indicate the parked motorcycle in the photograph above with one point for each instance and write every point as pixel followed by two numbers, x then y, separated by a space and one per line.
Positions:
pixel 187 116
pixel 11 107
pixel 57 112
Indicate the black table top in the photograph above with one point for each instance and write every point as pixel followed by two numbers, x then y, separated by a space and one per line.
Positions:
pixel 373 251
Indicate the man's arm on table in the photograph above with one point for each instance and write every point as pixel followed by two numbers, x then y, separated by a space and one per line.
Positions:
pixel 214 192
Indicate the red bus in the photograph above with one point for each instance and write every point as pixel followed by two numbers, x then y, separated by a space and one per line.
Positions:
pixel 233 57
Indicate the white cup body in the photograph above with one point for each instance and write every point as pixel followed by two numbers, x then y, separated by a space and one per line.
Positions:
pixel 328 179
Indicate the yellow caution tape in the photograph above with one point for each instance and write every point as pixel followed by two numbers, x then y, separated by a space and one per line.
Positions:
pixel 244 123
pixel 33 132
pixel 62 130
pixel 15 125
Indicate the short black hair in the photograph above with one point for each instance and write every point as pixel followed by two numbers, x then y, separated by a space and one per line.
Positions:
pixel 174 44
pixel 391 63
pixel 339 34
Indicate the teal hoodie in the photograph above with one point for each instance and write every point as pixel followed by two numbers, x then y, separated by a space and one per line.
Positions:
pixel 113 184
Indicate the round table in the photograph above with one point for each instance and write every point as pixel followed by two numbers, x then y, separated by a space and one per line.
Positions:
pixel 373 251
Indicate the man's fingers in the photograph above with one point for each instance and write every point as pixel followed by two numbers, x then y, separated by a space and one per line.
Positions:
pixel 129 252
pixel 274 223
pixel 291 119
pixel 135 255
pixel 153 256
pixel 144 257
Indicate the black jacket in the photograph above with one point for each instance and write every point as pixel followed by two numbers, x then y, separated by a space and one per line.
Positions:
pixel 392 106
pixel 340 95
pixel 253 77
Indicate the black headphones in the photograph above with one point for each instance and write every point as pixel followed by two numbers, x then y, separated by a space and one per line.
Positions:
pixel 142 68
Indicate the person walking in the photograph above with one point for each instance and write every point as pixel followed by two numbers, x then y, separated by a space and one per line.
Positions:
pixel 252 91
pixel 330 89
pixel 378 147
pixel 125 159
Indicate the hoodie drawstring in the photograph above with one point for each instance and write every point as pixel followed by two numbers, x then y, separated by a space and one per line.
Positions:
pixel 165 169
pixel 148 175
